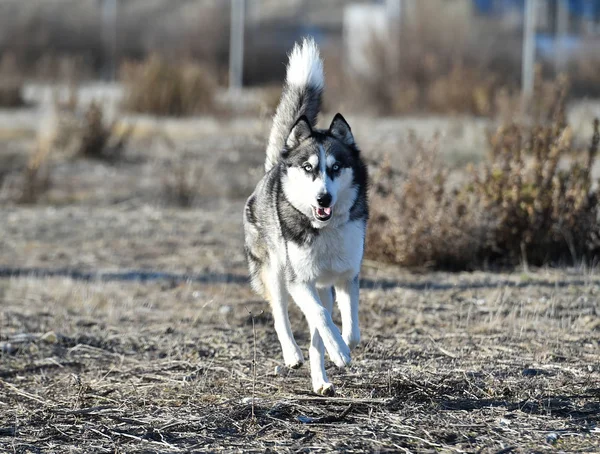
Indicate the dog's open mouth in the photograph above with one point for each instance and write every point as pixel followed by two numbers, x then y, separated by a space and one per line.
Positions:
pixel 322 214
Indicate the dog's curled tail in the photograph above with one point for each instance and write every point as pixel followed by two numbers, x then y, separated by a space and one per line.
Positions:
pixel 301 96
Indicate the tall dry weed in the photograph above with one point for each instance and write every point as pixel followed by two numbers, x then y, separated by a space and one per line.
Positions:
pixel 36 178
pixel 159 87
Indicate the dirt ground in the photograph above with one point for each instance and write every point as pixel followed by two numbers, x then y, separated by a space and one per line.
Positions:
pixel 126 325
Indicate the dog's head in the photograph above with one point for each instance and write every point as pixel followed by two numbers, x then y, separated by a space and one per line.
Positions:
pixel 319 170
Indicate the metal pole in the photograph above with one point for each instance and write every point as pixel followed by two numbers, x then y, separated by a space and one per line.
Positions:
pixel 562 29
pixel 394 16
pixel 528 64
pixel 109 36
pixel 236 45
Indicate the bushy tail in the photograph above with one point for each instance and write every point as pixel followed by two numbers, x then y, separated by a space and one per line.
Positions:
pixel 301 96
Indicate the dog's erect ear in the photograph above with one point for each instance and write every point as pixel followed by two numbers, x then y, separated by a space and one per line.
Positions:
pixel 299 132
pixel 340 129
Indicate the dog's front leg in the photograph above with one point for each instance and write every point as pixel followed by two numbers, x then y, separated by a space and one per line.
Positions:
pixel 320 383
pixel 347 298
pixel 319 318
pixel 278 299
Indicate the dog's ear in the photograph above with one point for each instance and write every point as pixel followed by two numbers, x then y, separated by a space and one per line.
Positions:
pixel 299 132
pixel 340 129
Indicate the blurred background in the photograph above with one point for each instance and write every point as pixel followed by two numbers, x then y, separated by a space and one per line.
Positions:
pixel 168 104
pixel 407 56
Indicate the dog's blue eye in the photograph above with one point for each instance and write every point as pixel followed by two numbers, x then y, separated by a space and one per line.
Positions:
pixel 307 167
pixel 335 167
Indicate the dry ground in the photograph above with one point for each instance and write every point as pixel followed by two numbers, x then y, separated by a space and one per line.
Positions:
pixel 125 326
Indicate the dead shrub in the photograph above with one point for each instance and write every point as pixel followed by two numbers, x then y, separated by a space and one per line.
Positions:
pixel 159 87
pixel 532 201
pixel 88 135
pixel 417 222
pixel 99 140
pixel 182 185
pixel 35 179
pixel 463 90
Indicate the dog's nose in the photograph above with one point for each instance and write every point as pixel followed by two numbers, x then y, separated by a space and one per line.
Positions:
pixel 324 200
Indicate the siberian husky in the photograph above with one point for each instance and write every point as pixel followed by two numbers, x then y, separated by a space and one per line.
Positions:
pixel 305 222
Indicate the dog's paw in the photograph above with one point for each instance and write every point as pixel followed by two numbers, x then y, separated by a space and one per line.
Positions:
pixel 352 339
pixel 336 348
pixel 341 356
pixel 325 389
pixel 293 357
pixel 294 365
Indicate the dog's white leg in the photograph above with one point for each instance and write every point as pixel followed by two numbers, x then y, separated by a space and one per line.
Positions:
pixel 321 384
pixel 292 355
pixel 347 297
pixel 307 298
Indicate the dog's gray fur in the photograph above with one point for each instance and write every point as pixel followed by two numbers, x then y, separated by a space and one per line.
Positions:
pixel 305 222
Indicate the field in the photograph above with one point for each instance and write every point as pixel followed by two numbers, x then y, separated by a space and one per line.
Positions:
pixel 127 325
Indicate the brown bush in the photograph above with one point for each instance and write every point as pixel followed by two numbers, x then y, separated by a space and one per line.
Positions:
pixel 99 140
pixel 532 201
pixel 417 221
pixel 159 87
pixel 88 135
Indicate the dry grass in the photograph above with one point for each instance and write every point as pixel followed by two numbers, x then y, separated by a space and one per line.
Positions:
pixel 157 355
pixel 182 185
pixel 533 201
pixel 160 87
pixel 167 367
pixel 36 178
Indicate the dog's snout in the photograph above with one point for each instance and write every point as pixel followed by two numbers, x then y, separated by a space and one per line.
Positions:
pixel 324 200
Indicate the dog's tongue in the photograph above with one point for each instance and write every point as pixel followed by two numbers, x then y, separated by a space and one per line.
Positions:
pixel 324 211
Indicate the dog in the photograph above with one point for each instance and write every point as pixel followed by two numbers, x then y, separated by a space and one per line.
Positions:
pixel 305 223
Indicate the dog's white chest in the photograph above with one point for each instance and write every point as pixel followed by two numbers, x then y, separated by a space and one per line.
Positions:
pixel 335 254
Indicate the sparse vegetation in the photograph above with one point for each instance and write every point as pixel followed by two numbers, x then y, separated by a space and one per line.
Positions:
pixel 532 201
pixel 454 363
pixel 99 140
pixel 182 185
pixel 160 87
pixel 87 134
pixel 64 134
pixel 36 178
pixel 446 86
